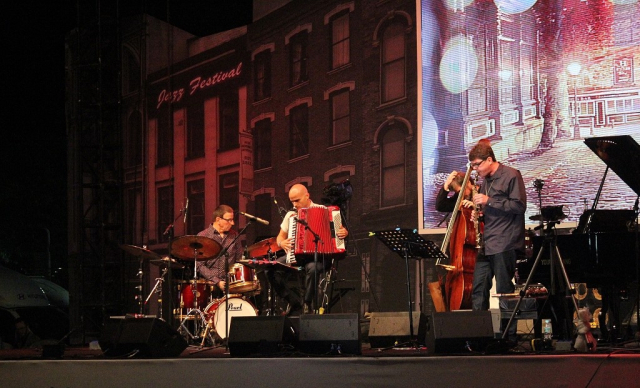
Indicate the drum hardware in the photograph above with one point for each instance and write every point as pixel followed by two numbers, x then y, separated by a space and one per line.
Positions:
pixel 196 248
pixel 158 288
pixel 142 253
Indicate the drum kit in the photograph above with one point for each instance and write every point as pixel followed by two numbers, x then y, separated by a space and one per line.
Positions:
pixel 202 317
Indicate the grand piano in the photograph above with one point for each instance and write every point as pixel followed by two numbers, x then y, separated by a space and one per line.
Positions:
pixel 601 251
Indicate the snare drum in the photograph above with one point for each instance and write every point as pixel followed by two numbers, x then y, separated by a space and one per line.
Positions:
pixel 238 307
pixel 203 290
pixel 242 279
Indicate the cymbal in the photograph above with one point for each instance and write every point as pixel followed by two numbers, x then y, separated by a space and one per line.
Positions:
pixel 263 248
pixel 196 248
pixel 140 252
pixel 166 261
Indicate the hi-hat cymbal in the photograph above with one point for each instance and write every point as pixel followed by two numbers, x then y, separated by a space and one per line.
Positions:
pixel 166 261
pixel 140 252
pixel 196 248
pixel 263 248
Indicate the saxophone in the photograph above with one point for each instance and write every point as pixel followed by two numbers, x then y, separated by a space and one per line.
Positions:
pixel 476 220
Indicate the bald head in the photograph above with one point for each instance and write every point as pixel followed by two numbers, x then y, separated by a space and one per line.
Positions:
pixel 299 196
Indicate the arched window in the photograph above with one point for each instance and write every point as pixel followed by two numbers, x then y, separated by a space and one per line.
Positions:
pixel 392 166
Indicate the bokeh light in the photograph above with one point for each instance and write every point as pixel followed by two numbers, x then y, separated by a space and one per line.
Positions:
pixel 459 65
pixel 514 6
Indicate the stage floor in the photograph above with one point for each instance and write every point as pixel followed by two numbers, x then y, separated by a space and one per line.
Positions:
pixel 213 367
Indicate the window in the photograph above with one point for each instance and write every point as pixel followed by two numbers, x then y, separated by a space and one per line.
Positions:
pixel 393 63
pixel 506 72
pixel 262 144
pixel 392 154
pixel 340 40
pixel 229 121
pixel 195 214
pixel 133 211
pixel 229 190
pixel 134 140
pixel 298 131
pixel 195 131
pixel 165 138
pixel 263 206
pixel 262 76
pixel 130 72
pixel 298 59
pixel 527 80
pixel 340 111
pixel 477 93
pixel 165 211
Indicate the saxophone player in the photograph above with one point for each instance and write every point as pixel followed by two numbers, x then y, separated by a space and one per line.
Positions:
pixel 503 199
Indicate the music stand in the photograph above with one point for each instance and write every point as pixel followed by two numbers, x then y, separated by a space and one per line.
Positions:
pixel 409 244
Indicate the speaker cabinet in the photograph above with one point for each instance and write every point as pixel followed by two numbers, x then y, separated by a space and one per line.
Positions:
pixel 392 328
pixel 259 335
pixel 141 337
pixel 330 334
pixel 458 331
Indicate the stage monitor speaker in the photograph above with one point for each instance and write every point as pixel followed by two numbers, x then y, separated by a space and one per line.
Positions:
pixel 330 334
pixel 260 335
pixel 389 329
pixel 141 337
pixel 458 331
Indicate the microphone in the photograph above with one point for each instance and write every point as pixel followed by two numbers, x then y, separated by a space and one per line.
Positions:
pixel 166 231
pixel 280 209
pixel 186 207
pixel 254 218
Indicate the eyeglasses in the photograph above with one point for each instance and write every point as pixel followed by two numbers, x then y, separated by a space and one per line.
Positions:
pixel 477 164
pixel 228 219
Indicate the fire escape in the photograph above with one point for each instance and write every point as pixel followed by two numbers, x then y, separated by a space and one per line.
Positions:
pixel 94 168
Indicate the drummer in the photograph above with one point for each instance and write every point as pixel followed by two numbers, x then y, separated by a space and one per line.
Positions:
pixel 221 232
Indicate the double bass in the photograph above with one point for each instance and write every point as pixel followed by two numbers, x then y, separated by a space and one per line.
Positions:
pixel 461 243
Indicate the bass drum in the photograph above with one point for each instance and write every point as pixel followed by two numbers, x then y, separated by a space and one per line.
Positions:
pixel 238 307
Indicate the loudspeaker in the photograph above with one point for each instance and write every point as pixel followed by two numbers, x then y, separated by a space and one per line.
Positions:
pixel 330 334
pixel 141 337
pixel 259 335
pixel 458 331
pixel 392 328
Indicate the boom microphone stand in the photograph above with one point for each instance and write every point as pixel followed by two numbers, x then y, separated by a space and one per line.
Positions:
pixel 316 240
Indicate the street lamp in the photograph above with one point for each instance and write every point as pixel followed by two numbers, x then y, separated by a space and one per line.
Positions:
pixel 574 69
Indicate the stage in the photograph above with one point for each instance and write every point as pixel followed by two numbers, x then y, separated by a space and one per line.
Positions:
pixel 212 367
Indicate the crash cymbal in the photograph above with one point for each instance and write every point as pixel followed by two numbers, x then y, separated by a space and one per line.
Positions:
pixel 166 261
pixel 263 248
pixel 140 252
pixel 196 248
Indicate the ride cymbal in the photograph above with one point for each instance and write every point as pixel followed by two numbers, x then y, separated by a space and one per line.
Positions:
pixel 196 248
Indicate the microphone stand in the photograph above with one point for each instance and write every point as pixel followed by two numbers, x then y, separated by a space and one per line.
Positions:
pixel 167 308
pixel 225 252
pixel 316 241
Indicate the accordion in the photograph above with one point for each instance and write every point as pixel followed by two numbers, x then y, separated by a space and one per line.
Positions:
pixel 324 221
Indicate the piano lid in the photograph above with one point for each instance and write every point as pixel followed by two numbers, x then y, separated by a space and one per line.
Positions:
pixel 621 154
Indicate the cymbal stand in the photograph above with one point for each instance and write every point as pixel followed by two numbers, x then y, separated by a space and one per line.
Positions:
pixel 140 286
pixel 194 290
pixel 158 288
